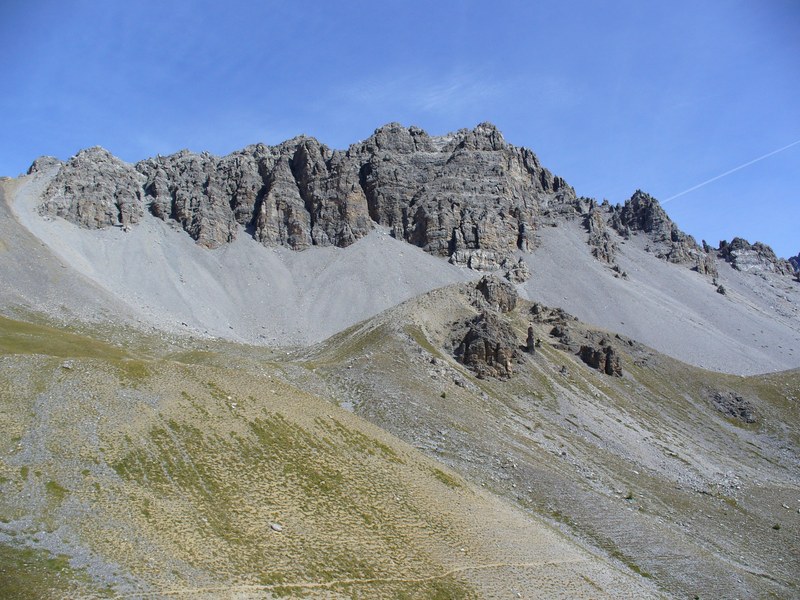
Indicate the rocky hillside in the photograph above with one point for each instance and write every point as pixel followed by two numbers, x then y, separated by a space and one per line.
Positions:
pixel 686 476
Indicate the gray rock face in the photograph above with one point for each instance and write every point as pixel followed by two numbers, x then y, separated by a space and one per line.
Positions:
pixel 44 163
pixel 467 195
pixel 643 213
pixel 758 257
pixel 94 190
pixel 458 194
pixel 603 247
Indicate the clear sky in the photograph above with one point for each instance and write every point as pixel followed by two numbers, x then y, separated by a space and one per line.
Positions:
pixel 612 95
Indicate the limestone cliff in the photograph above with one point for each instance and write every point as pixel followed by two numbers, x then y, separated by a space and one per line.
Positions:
pixel 468 195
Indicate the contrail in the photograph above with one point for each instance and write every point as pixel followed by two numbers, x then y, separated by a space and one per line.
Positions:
pixel 733 170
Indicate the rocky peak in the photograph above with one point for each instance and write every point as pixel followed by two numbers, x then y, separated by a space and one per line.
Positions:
pixel 795 262
pixel 485 137
pixel 43 163
pixel 757 257
pixel 643 213
pixel 94 189
pixel 395 137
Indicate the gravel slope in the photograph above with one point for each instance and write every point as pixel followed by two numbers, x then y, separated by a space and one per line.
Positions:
pixel 753 328
pixel 242 291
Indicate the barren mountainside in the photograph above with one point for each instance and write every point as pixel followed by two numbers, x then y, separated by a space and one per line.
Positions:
pixel 420 367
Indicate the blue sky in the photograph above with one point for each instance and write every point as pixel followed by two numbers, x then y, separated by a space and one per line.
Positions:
pixel 613 96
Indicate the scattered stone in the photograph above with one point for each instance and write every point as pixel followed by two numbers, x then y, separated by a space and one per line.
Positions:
pixel 276 527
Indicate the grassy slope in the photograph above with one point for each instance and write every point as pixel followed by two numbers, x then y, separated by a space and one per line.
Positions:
pixel 162 467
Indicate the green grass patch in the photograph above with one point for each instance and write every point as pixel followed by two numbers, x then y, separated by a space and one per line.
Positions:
pixel 19 337
pixel 446 479
pixel 56 491
pixel 27 574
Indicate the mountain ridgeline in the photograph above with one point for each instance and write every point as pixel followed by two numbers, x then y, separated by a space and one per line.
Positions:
pixel 468 196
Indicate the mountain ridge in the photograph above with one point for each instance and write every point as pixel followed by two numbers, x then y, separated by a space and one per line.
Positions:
pixel 468 195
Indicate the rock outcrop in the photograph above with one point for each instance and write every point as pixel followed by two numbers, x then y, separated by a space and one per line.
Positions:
pixel 489 347
pixel 795 262
pixel 643 213
pixel 754 258
pixel 732 405
pixel 603 247
pixel 500 294
pixel 468 195
pixel 44 163
pixel 604 358
pixel 595 348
